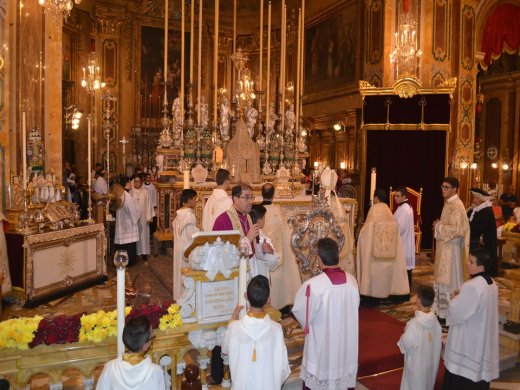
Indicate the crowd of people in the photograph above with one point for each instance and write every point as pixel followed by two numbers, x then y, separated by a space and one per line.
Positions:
pixel 464 297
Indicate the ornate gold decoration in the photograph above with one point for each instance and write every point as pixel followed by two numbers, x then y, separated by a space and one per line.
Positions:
pixel 110 19
pixel 365 84
pixel 407 87
pixel 450 83
pixel 67 261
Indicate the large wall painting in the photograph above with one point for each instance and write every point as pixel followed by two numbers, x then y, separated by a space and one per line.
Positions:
pixel 331 52
pixel 152 67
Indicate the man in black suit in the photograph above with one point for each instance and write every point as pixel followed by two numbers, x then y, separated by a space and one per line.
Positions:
pixel 267 194
pixel 482 225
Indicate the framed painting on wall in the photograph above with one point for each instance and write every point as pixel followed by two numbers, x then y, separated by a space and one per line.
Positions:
pixel 331 52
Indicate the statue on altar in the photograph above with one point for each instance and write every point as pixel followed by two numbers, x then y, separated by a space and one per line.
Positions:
pixel 272 118
pixel 224 118
pixel 244 154
pixel 251 117
pixel 290 120
pixel 204 114
pixel 177 122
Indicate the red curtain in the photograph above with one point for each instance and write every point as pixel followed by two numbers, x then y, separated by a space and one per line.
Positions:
pixel 502 32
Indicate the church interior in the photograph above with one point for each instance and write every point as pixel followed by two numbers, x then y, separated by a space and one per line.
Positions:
pixel 386 93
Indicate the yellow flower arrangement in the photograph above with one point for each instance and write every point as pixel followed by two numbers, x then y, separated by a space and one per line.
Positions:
pixel 18 332
pixel 172 319
pixel 509 226
pixel 100 325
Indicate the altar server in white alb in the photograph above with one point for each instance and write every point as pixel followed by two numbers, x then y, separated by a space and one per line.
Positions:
pixel 134 370
pixel 421 344
pixel 218 202
pixel 381 267
pixel 326 306
pixel 266 259
pixel 471 353
pixel 404 217
pixel 146 214
pixel 127 217
pixel 184 226
pixel 452 236
pixel 255 344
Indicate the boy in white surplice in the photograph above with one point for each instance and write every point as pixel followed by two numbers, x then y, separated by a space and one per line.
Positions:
pixel 255 344
pixel 265 259
pixel 421 344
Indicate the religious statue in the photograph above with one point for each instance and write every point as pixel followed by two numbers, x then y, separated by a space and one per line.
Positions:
pixel 204 114
pixel 165 140
pixel 251 116
pixel 244 155
pixel 177 122
pixel 224 118
pixel 159 160
pixel 272 118
pixel 290 120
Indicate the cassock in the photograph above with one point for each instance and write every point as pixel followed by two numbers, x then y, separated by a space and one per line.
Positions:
pixel 263 263
pixel 4 261
pixel 145 210
pixel 451 251
pixel 218 202
pixel 285 280
pixel 330 354
pixel 183 226
pixel 404 217
pixel 421 345
pixel 121 375
pixel 257 353
pixel 483 231
pixel 472 347
pixel 381 267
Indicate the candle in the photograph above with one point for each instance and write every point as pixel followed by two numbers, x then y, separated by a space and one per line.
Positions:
pixel 234 41
pixel 120 310
pixel 372 184
pixel 89 146
pixel 282 65
pixel 183 43
pixel 298 58
pixel 219 155
pixel 192 36
pixel 186 184
pixel 342 165
pixel 24 150
pixel 199 63
pixel 233 170
pixel 268 77
pixel 261 46
pixel 316 164
pixel 215 63
pixel 242 282
pixel 302 55
pixel 165 40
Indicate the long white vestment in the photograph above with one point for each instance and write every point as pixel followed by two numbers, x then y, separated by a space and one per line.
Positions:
pixel 183 226
pixel 262 339
pixel 472 347
pixel 381 267
pixel 126 221
pixel 451 251
pixel 145 210
pixel 218 202
pixel 153 193
pixel 421 344
pixel 285 279
pixel 330 355
pixel 404 217
pixel 121 375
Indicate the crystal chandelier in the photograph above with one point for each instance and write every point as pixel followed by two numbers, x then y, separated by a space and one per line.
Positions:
pixel 60 6
pixel 406 52
pixel 92 75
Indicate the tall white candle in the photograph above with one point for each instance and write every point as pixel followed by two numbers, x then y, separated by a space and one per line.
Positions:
pixel 89 147
pixel 186 177
pixel 302 55
pixel 234 45
pixel 242 282
pixel 372 184
pixel 215 62
pixel 297 84
pixel 120 310
pixel 192 38
pixel 24 149
pixel 165 40
pixel 282 65
pixel 199 65
pixel 261 56
pixel 268 77
pixel 183 44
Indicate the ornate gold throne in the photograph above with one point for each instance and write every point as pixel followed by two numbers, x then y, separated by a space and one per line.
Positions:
pixel 414 200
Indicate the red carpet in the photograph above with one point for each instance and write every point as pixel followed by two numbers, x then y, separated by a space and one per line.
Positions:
pixel 378 336
pixel 392 380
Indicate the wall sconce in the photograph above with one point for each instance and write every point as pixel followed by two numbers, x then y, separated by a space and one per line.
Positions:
pixel 474 166
pixel 463 164
pixel 494 165
pixel 342 165
pixel 340 125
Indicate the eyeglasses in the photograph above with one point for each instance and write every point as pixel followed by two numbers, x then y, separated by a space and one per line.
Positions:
pixel 247 197
pixel 446 187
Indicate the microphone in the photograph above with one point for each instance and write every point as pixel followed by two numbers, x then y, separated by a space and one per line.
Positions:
pixel 253 219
